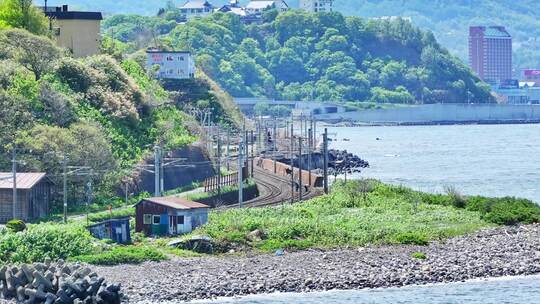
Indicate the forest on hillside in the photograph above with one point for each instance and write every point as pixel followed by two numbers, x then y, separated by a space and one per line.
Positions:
pixel 448 20
pixel 101 112
pixel 304 56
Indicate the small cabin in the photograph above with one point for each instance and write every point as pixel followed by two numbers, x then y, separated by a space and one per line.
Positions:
pixel 33 196
pixel 169 215
pixel 114 229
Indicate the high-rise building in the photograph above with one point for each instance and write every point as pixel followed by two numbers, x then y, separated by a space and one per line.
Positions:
pixel 490 53
pixel 317 5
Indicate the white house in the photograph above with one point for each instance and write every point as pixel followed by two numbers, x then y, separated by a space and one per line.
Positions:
pixel 196 8
pixel 233 7
pixel 258 6
pixel 315 6
pixel 171 65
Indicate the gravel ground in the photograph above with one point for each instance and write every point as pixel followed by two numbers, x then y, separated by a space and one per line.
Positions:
pixel 495 252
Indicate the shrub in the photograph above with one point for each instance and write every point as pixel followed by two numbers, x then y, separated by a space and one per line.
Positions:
pixel 419 255
pixel 412 238
pixel 456 199
pixel 105 215
pixel 506 210
pixel 16 225
pixel 45 240
pixel 122 255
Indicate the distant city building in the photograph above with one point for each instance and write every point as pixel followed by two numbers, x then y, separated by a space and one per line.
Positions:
pixel 315 6
pixel 531 76
pixel 490 53
pixel 258 6
pixel 393 18
pixel 171 65
pixel 196 8
pixel 77 31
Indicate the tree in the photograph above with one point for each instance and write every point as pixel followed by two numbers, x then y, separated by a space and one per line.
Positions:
pixel 23 14
pixel 37 54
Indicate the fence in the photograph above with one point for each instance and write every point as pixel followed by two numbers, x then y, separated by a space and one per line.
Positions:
pixel 212 183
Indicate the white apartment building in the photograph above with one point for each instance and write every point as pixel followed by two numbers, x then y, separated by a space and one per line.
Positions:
pixel 172 65
pixel 316 6
pixel 258 6
pixel 196 8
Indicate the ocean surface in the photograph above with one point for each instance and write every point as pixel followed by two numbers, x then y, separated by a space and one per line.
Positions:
pixel 518 290
pixel 492 160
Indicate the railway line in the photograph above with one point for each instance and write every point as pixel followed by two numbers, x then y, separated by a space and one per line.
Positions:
pixel 273 190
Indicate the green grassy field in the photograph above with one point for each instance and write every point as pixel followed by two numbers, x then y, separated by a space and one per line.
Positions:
pixel 365 212
pixel 356 213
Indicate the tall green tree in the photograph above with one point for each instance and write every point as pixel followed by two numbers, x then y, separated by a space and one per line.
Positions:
pixel 23 14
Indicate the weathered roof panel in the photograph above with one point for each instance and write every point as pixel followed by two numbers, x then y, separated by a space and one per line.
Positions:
pixel 175 202
pixel 25 181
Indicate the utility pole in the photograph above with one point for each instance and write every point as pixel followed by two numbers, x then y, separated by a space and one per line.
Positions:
pixel 219 163
pixel 246 141
pixel 14 169
pixel 325 156
pixel 252 151
pixel 300 158
pixel 228 148
pixel 309 146
pixel 240 173
pixel 292 164
pixel 161 173
pixel 157 166
pixel 89 195
pixel 64 169
pixel 275 147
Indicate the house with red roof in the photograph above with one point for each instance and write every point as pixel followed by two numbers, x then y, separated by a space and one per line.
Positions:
pixel 169 215
pixel 33 196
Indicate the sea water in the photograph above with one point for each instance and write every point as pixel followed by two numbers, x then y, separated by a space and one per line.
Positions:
pixel 491 160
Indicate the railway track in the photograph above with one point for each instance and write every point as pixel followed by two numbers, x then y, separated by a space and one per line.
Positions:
pixel 273 190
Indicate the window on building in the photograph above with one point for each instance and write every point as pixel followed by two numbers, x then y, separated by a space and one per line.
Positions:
pixel 147 219
pixel 180 220
pixel 156 220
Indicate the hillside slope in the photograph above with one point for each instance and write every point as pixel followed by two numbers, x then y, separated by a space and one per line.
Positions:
pixel 449 20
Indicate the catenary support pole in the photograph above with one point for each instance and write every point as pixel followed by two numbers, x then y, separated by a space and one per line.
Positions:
pixel 292 164
pixel 240 173
pixel 310 140
pixel 14 172
pixel 300 158
pixel 325 156
pixel 252 139
pixel 64 171
pixel 156 171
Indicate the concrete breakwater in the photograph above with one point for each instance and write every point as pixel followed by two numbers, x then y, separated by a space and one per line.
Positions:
pixel 496 252
pixel 441 114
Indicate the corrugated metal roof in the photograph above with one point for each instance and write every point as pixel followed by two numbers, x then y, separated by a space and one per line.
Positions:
pixel 175 202
pixel 24 180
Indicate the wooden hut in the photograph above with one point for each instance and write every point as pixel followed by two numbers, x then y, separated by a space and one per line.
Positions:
pixel 33 196
pixel 169 215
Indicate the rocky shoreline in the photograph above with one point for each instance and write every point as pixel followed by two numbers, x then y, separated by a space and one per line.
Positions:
pixel 496 252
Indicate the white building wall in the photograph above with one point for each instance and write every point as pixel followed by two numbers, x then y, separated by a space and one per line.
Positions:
pixel 315 6
pixel 172 65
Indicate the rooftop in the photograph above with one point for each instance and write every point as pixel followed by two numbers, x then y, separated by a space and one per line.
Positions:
pixel 260 4
pixel 25 181
pixel 175 202
pixel 196 4
pixel 63 13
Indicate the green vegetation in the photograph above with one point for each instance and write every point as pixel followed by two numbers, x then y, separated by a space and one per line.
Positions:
pixel 22 14
pixel 44 240
pixel 16 225
pixel 383 214
pixel 122 255
pixel 250 184
pixel 325 56
pixel 93 112
pixel 419 255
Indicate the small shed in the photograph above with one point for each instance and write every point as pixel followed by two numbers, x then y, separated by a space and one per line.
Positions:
pixel 114 229
pixel 33 196
pixel 169 215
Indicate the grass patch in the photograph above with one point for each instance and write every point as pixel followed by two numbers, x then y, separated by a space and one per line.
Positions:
pixel 419 255
pixel 384 215
pixel 122 255
pixel 105 215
